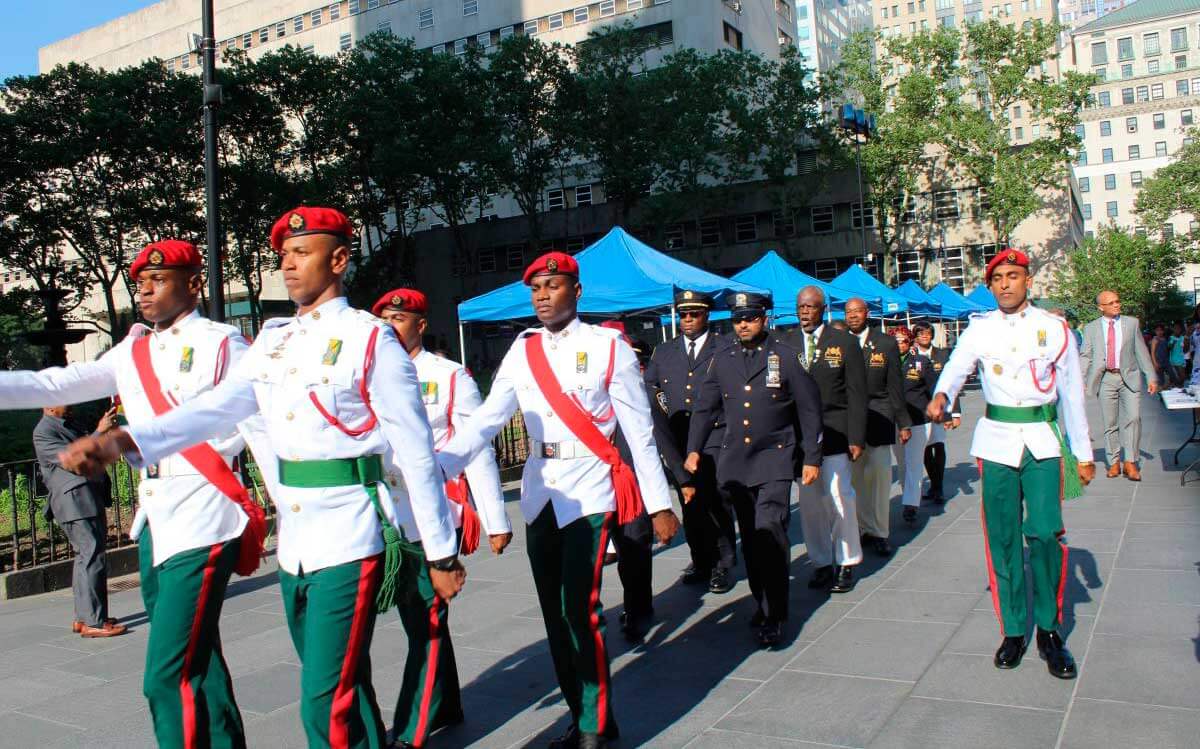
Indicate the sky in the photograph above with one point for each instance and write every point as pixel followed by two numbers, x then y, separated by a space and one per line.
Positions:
pixel 30 25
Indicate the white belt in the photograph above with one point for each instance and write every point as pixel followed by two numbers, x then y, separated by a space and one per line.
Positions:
pixel 174 466
pixel 563 450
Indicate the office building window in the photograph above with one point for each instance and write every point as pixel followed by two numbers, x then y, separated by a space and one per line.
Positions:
pixel 1085 184
pixel 264 35
pixel 580 15
pixel 1106 156
pixel 1181 87
pixel 470 7
pixel 608 8
pixel 345 42
pixel 1131 124
pixel 1110 182
pixel 1181 62
pixel 1185 117
pixel 1087 211
pixel 353 7
pixel 745 229
pixel 187 61
pixel 908 265
pixel 783 224
pixel 1135 179
pixel 1110 209
pixel 486 260
pixel 907 213
pixel 308 49
pixel 384 27
pixel 531 28
pixel 316 17
pixel 1178 40
pixel 1099 53
pixel 514 257
pixel 1105 128
pixel 1196 87
pixel 1168 232
pixel 555 21
pixel 674 237
pixel 1101 74
pixel 1105 99
pixel 1160 120
pixel 246 40
pixel 1135 152
pixel 1081 158
pixel 1156 91
pixel 555 199
pixel 281 29
pixel 1152 67
pixel 733 37
pixel 425 18
pixel 633 4
pixel 372 4
pixel 438 49
pixel 460 46
pixel 710 232
pixel 1127 96
pixel 1150 44
pixel 945 205
pixel 583 195
pixel 1020 133
pixel 1160 148
pixel 1139 231
pixel 506 32
pixel 1143 93
pixel 1125 48
pixel 822 219
pixel 335 12
pixel 484 40
pixel 1127 70
pixel 298 24
pixel 861 217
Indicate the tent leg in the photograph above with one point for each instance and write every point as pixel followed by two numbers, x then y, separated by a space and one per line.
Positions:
pixel 908 319
pixel 462 348
pixel 674 330
pixel 663 329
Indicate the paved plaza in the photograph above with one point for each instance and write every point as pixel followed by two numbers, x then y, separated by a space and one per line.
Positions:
pixel 903 661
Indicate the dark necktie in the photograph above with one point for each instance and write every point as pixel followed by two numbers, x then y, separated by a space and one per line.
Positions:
pixel 692 351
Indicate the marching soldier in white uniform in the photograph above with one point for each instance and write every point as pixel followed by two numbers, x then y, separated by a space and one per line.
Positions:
pixel 196 509
pixel 574 383
pixel 1033 448
pixel 429 696
pixel 336 391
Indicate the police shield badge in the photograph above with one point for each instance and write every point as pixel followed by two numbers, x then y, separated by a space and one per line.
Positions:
pixel 773 378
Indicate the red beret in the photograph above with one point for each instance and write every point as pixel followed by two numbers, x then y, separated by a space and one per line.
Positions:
pixel 408 300
pixel 1007 256
pixel 552 262
pixel 305 220
pixel 169 253
pixel 900 330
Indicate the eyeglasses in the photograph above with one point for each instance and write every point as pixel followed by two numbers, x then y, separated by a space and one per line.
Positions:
pixel 690 313
pixel 1109 304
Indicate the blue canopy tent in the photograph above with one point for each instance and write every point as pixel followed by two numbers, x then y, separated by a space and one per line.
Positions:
pixel 862 284
pixel 982 297
pixel 919 302
pixel 954 305
pixel 619 274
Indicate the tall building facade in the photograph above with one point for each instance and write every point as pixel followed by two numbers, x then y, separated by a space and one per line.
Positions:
pixel 1075 13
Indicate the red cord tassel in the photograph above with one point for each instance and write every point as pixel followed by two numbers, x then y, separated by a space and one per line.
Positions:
pixel 629 495
pixel 254 536
pixel 457 491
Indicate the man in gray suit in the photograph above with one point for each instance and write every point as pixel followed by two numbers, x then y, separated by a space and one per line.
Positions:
pixel 77 504
pixel 1115 359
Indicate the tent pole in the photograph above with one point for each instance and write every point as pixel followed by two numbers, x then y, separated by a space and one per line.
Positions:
pixel 674 330
pixel 462 347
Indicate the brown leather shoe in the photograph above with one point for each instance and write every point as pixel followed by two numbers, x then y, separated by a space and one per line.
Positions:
pixel 1114 470
pixel 77 625
pixel 109 629
pixel 1131 471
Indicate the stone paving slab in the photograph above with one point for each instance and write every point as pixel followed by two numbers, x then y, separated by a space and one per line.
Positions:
pixel 903 661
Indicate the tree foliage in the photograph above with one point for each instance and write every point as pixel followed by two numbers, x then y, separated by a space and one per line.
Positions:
pixel 1174 190
pixel 1141 270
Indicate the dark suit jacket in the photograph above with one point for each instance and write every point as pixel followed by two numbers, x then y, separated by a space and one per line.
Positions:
pixel 938 357
pixel 771 425
pixel 885 389
pixel 841 375
pixel 919 382
pixel 673 383
pixel 72 497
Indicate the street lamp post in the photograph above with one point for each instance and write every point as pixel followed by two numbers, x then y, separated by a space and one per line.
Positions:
pixel 858 123
pixel 212 176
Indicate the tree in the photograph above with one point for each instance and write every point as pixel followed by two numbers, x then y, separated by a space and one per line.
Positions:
pixel 1142 271
pixel 1174 190
pixel 1005 66
pixel 907 89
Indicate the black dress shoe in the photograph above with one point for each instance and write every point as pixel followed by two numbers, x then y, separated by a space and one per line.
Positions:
pixel 1010 653
pixel 400 745
pixel 881 547
pixel 634 627
pixel 1058 659
pixel 910 515
pixel 693 576
pixel 592 741
pixel 758 619
pixel 569 740
pixel 844 581
pixel 822 578
pixel 936 496
pixel 768 636
pixel 719 582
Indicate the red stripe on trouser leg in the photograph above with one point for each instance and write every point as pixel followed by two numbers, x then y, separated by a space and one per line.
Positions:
pixel 1062 580
pixel 987 551
pixel 187 697
pixel 431 668
pixel 597 635
pixel 343 696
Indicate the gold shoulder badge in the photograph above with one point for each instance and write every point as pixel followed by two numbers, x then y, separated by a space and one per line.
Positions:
pixel 552 265
pixel 186 358
pixel 296 222
pixel 580 362
pixel 156 257
pixel 999 370
pixel 1041 338
pixel 332 351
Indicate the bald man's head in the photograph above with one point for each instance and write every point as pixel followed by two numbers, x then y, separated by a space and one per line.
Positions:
pixel 810 307
pixel 857 314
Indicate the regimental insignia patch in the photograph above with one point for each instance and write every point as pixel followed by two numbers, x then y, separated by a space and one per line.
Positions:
pixel 1041 338
pixel 155 257
pixel 833 356
pixel 878 359
pixel 332 351
pixel 429 393
pixel 296 222
pixel 397 300
pixel 913 374
pixel 186 358
pixel 580 362
pixel 552 265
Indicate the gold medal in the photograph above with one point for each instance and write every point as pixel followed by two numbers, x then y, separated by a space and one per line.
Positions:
pixel 186 357
pixel 1042 338
pixel 580 362
pixel 998 369
pixel 332 351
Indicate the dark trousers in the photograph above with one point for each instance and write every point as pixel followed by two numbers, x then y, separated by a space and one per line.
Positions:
pixel 935 465
pixel 634 541
pixel 89 576
pixel 708 521
pixel 762 517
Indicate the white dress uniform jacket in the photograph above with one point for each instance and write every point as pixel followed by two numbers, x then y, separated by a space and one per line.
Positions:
pixel 1025 359
pixel 184 510
pixel 607 382
pixel 307 376
pixel 450 396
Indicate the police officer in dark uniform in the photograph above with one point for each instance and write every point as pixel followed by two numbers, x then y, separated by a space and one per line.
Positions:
pixel 673 378
pixel 758 389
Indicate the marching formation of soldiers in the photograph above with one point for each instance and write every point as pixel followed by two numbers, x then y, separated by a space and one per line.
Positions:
pixel 377 455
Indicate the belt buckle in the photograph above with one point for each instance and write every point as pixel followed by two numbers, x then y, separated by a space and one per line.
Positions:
pixel 550 450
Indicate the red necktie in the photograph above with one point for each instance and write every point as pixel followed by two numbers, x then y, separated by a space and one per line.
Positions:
pixel 1112 345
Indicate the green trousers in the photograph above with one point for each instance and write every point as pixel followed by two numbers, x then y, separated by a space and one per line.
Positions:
pixel 331 618
pixel 1025 501
pixel 186 680
pixel 430 697
pixel 567 571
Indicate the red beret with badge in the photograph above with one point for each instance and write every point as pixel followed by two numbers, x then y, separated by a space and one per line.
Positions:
pixel 1007 256
pixel 305 220
pixel 552 263
pixel 405 300
pixel 168 253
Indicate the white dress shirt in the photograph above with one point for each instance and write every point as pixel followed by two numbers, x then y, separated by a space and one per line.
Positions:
pixel 698 341
pixel 321 355
pixel 442 380
pixel 579 356
pixel 1019 355
pixel 183 509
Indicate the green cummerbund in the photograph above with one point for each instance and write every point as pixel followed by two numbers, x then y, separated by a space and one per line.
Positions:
pixel 1046 413
pixel 316 474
